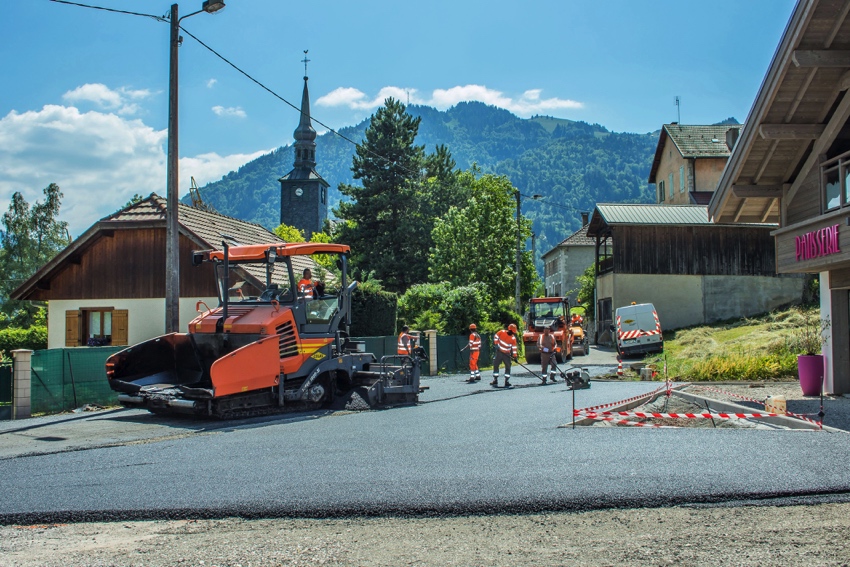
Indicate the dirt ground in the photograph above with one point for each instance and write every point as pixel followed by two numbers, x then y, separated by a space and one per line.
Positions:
pixel 766 535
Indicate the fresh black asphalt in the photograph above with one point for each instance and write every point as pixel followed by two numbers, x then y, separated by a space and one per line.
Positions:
pixel 465 449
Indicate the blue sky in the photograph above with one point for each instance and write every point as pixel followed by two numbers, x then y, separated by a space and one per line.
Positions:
pixel 84 97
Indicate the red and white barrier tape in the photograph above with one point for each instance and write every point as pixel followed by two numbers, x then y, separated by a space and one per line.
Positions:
pixel 761 403
pixel 654 415
pixel 614 421
pixel 621 402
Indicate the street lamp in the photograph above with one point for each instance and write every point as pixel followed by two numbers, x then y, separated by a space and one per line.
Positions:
pixel 519 243
pixel 172 238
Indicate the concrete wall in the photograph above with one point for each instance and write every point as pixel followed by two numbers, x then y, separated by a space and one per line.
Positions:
pixel 707 173
pixel 728 297
pixel 684 301
pixel 677 299
pixel 145 317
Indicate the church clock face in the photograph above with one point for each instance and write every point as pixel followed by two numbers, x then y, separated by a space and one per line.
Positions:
pixel 299 192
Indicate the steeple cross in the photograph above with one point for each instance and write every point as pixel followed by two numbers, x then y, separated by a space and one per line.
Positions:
pixel 305 61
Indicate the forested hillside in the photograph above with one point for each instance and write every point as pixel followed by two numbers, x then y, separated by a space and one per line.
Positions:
pixel 573 165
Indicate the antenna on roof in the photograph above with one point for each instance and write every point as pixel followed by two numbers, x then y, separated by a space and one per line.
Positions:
pixel 678 110
pixel 197 202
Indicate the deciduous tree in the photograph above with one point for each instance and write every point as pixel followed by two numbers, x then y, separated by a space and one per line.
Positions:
pixel 31 236
pixel 477 243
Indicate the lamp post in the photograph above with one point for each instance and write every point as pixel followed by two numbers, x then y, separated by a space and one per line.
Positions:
pixel 519 244
pixel 172 237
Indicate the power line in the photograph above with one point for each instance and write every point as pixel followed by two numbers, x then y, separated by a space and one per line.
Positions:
pixel 248 76
pixel 550 203
pixel 157 18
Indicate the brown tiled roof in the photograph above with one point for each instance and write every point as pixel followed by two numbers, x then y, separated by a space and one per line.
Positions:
pixel 209 228
pixel 578 238
pixel 693 141
pixel 700 141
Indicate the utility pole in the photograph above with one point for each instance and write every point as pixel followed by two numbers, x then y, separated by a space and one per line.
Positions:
pixel 518 248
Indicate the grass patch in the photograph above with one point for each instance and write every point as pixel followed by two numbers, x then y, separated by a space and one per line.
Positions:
pixel 753 348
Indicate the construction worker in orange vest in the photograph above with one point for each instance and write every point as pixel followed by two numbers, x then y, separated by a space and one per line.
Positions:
pixel 547 346
pixel 405 342
pixel 506 351
pixel 474 347
pixel 306 287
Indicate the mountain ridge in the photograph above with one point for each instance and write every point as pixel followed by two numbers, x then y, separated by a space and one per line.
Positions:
pixel 572 165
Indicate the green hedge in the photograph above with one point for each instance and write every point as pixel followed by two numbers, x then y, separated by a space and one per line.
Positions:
pixel 373 313
pixel 34 338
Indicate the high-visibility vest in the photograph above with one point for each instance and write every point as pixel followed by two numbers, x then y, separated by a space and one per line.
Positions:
pixel 305 288
pixel 548 342
pixel 404 346
pixel 505 343
pixel 474 341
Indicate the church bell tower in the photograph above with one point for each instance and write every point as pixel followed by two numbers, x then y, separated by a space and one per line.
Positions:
pixel 303 192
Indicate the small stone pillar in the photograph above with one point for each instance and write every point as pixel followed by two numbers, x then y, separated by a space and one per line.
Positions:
pixel 432 352
pixel 21 384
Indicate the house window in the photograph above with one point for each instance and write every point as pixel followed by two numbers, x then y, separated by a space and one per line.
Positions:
pixel 835 182
pixel 681 179
pixel 96 326
pixel 672 187
pixel 661 195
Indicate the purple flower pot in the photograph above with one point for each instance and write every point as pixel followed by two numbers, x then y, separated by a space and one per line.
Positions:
pixel 810 368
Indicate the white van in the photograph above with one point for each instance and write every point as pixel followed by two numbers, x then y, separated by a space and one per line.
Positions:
pixel 638 329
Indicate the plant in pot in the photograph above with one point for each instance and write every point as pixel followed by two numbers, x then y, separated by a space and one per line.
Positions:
pixel 810 339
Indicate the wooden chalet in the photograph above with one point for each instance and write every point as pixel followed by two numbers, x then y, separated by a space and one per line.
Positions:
pixel 108 286
pixel 693 271
pixel 791 166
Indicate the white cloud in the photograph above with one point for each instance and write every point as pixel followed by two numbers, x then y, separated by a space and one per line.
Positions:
pixel 99 160
pixel 229 111
pixel 212 167
pixel 211 83
pixel 106 98
pixel 526 104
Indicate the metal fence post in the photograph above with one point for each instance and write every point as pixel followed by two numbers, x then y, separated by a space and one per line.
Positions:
pixel 22 380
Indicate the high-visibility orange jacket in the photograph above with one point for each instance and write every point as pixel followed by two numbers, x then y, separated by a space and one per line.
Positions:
pixel 405 344
pixel 474 341
pixel 306 289
pixel 505 343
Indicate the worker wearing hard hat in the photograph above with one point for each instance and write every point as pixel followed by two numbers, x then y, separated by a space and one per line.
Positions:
pixel 474 347
pixel 547 346
pixel 506 351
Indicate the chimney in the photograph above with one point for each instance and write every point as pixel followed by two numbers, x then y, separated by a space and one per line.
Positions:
pixel 585 218
pixel 732 137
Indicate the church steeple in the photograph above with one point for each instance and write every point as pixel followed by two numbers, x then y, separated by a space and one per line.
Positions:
pixel 305 135
pixel 303 192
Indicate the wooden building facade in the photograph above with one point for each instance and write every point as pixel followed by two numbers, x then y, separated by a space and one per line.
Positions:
pixel 791 165
pixel 692 270
pixel 107 288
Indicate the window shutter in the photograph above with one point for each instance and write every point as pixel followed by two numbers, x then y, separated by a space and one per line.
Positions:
pixel 119 327
pixel 72 328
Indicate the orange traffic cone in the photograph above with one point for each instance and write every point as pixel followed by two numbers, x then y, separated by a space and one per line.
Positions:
pixel 619 367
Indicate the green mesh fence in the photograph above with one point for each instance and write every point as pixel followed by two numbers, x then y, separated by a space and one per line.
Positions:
pixel 452 358
pixel 6 391
pixel 6 383
pixel 388 346
pixel 68 378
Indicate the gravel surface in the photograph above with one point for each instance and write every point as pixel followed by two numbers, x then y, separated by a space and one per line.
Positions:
pixel 742 536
